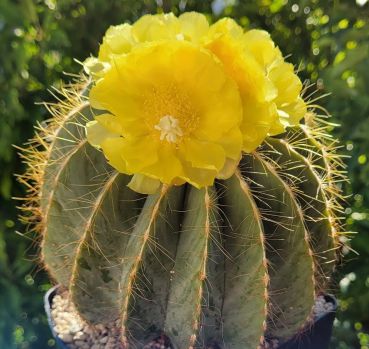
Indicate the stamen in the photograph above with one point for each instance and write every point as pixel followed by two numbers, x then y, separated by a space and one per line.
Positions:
pixel 180 37
pixel 169 128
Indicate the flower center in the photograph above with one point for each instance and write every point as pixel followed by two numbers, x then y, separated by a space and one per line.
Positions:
pixel 169 129
pixel 169 109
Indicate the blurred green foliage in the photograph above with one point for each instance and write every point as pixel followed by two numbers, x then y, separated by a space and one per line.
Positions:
pixel 329 43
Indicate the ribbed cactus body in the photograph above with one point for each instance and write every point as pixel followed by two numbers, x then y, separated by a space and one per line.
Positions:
pixel 230 264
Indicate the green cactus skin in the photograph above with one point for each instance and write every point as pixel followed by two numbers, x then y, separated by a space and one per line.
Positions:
pixel 246 276
pixel 287 240
pixel 229 264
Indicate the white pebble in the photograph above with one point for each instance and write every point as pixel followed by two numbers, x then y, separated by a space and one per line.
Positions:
pixel 103 340
pixel 66 337
pixel 79 336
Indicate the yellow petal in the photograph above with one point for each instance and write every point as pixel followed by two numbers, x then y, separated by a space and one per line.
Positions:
pixel 198 177
pixel 258 119
pixel 232 143
pixel 278 127
pixel 229 168
pixel 261 46
pixel 140 153
pixel 194 26
pixel 156 27
pixel 96 133
pixel 121 99
pixel 296 110
pixel 200 154
pixel 168 166
pixel 226 109
pixel 110 122
pixel 289 115
pixel 144 184
pixel 113 148
pixel 242 67
pixel 117 40
pixel 94 67
pixel 225 26
pixel 287 82
pixel 119 125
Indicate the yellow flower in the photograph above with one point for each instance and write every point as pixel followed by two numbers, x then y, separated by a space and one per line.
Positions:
pixel 174 116
pixel 288 104
pixel 269 88
pixel 226 41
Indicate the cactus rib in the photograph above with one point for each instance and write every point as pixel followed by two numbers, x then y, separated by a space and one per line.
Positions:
pixel 313 201
pixel 287 245
pixel 190 271
pixel 142 232
pixel 246 296
pixel 73 203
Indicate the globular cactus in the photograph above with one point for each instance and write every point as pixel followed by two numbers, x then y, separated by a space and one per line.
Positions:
pixel 238 230
pixel 232 263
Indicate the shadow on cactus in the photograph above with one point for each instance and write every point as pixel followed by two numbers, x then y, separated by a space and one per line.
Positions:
pixel 198 205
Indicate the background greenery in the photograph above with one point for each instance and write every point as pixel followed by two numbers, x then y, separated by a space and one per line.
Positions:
pixel 327 39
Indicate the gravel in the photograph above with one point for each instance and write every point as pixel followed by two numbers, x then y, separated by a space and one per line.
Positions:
pixel 322 307
pixel 78 334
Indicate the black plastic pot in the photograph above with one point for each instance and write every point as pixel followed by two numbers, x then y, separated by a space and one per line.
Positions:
pixel 317 336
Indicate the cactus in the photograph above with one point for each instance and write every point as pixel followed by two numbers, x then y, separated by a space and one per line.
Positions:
pixel 232 263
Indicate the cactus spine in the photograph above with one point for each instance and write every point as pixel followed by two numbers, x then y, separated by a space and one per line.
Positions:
pixel 231 263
